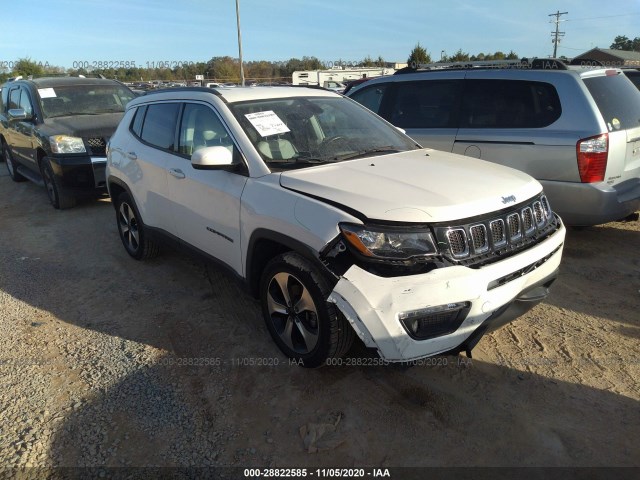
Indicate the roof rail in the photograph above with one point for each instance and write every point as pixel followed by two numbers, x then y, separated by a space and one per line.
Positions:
pixel 523 63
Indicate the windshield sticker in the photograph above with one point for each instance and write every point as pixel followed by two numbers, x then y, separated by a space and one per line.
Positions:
pixel 47 93
pixel 616 123
pixel 267 123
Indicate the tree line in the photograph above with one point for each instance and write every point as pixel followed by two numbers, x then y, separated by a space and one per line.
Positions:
pixel 420 55
pixel 227 69
pixel 222 69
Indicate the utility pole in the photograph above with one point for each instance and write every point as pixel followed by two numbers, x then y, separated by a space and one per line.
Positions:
pixel 240 43
pixel 557 34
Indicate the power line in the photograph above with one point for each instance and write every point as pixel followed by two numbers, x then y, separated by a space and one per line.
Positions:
pixel 598 18
pixel 557 34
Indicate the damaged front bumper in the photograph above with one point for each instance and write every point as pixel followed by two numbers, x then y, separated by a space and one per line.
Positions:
pixel 473 300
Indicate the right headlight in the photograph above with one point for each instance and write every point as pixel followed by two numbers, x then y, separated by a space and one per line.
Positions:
pixel 389 243
pixel 66 144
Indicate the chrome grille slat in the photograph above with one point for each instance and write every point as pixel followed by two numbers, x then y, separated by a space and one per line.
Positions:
pixel 515 228
pixel 527 220
pixel 498 233
pixel 538 214
pixel 479 238
pixel 458 242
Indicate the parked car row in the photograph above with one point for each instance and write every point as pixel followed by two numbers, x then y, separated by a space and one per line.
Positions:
pixel 339 223
pixel 575 129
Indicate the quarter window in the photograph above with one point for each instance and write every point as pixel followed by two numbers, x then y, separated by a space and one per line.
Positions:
pixel 136 125
pixel 160 125
pixel 509 104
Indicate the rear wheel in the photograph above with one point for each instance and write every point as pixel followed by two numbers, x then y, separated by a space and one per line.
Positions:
pixel 11 165
pixel 57 196
pixel 303 324
pixel 131 229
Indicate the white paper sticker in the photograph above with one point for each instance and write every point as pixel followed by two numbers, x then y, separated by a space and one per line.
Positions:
pixel 267 123
pixel 47 93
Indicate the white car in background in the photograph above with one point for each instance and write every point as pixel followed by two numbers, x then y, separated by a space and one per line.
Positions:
pixel 338 222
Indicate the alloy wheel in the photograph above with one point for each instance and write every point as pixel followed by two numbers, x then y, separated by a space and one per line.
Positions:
pixel 128 227
pixel 293 312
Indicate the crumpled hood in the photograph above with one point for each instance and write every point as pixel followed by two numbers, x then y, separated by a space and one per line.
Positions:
pixel 84 126
pixel 417 186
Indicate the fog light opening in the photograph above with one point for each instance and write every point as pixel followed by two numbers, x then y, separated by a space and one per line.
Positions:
pixel 431 322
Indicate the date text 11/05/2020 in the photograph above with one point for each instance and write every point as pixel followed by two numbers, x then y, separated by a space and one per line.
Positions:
pixel 436 361
pixel 317 472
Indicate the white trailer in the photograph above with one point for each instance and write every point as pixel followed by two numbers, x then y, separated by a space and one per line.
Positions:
pixel 328 78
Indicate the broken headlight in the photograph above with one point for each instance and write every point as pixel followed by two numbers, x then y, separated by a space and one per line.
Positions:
pixel 389 243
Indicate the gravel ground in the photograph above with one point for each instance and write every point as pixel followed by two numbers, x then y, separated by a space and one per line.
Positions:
pixel 105 361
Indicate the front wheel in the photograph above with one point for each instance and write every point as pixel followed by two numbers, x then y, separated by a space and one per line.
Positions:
pixel 303 324
pixel 57 196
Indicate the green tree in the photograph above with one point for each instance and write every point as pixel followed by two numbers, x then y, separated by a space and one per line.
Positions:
pixel 459 56
pixel 419 55
pixel 26 66
pixel 622 42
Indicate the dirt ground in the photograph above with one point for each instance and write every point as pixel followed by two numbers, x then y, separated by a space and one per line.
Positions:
pixel 109 361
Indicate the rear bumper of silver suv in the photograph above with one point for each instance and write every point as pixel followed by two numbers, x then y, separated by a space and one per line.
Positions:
pixel 593 203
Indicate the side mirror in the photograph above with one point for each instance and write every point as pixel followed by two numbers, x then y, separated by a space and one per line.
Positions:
pixel 16 114
pixel 212 158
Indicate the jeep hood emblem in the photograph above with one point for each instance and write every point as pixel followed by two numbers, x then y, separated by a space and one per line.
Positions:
pixel 509 199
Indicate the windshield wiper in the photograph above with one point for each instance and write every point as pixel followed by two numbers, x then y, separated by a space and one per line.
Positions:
pixel 68 114
pixel 364 153
pixel 298 162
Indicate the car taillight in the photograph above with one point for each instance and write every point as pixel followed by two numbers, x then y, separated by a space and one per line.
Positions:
pixel 592 158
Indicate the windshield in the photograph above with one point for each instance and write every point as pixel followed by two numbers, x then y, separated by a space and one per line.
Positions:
pixel 303 131
pixel 84 100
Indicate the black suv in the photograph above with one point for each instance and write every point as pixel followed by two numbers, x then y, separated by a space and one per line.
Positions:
pixel 54 132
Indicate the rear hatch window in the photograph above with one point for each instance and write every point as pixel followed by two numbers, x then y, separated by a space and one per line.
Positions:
pixel 618 101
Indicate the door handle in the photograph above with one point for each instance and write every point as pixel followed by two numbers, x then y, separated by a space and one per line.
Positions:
pixel 176 172
pixel 132 156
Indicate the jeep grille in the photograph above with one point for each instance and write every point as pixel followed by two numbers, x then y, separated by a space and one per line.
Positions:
pixel 488 239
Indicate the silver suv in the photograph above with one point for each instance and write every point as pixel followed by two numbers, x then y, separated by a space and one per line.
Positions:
pixel 338 222
pixel 575 129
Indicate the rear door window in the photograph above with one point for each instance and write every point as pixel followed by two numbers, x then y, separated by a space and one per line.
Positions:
pixel 426 104
pixel 370 97
pixel 618 100
pixel 159 126
pixel 509 104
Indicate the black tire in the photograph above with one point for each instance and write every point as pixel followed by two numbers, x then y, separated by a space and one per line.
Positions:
pixel 131 230
pixel 11 164
pixel 306 327
pixel 60 199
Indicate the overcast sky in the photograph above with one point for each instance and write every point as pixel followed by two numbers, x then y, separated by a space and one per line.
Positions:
pixel 61 32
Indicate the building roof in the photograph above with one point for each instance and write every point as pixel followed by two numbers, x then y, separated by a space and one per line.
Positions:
pixel 623 55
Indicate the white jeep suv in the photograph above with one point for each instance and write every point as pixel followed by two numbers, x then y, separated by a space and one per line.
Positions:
pixel 337 221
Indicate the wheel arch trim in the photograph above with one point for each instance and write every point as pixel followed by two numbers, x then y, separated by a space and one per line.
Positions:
pixel 254 260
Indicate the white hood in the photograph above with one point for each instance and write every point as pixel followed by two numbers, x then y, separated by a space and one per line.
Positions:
pixel 417 186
